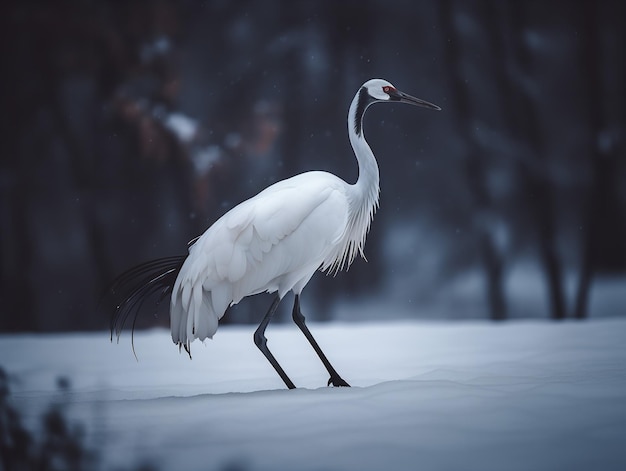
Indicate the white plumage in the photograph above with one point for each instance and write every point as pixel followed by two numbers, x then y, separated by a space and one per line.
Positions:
pixel 275 241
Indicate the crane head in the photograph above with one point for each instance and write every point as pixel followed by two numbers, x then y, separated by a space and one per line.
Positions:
pixel 380 90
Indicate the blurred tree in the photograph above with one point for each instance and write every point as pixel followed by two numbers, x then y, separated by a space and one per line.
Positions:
pixel 69 159
pixel 475 163
pixel 537 186
pixel 604 221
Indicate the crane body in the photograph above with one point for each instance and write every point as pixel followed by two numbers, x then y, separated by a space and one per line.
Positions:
pixel 273 242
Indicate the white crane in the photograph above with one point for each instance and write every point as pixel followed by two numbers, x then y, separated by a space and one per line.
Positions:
pixel 273 242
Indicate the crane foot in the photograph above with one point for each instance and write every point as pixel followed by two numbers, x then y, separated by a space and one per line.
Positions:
pixel 337 381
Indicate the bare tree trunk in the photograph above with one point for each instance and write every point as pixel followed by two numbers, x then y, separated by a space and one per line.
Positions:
pixel 603 222
pixel 535 180
pixel 475 167
pixel 589 62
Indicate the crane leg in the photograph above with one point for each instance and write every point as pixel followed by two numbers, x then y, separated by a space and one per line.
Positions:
pixel 261 342
pixel 298 318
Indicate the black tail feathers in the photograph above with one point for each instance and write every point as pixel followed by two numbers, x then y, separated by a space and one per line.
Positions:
pixel 129 291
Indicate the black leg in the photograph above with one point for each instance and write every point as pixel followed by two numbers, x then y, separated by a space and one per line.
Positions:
pixel 298 318
pixel 261 341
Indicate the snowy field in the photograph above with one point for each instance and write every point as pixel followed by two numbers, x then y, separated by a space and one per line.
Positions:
pixel 524 395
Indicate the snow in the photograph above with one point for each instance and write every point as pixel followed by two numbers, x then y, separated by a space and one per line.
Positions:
pixel 183 126
pixel 431 396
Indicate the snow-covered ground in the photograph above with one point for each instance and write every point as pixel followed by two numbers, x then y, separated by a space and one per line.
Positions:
pixel 523 395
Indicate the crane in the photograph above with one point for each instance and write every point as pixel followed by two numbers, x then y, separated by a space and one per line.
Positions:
pixel 273 242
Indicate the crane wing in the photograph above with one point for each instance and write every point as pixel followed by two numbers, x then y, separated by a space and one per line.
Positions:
pixel 270 242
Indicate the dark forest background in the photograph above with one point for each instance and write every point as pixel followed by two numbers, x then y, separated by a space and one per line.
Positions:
pixel 128 127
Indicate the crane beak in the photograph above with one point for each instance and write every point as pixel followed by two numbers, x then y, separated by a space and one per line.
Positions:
pixel 402 97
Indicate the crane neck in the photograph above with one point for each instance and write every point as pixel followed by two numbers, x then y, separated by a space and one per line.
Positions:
pixel 367 184
pixel 362 195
